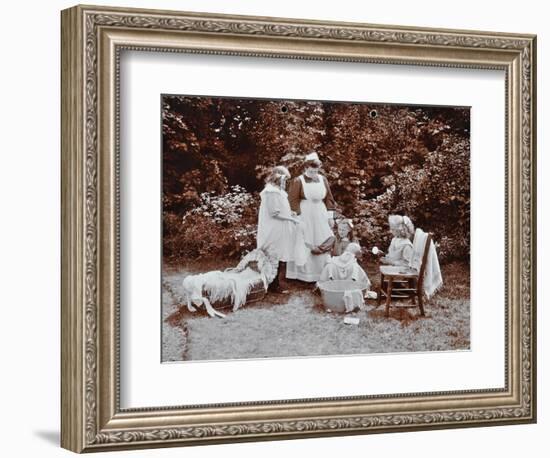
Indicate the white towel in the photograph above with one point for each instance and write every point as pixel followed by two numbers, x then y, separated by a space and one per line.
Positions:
pixel 301 250
pixel 353 299
pixel 432 272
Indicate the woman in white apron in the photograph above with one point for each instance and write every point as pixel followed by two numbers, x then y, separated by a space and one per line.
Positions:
pixel 310 198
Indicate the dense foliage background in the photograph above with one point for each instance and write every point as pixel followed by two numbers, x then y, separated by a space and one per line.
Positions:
pixel 379 159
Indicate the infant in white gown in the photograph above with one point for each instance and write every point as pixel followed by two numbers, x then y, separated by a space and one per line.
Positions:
pixel 346 267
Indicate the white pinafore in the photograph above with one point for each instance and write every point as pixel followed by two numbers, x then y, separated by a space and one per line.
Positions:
pixel 275 235
pixel 316 229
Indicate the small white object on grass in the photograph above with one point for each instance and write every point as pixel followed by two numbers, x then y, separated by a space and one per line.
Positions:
pixel 351 320
pixel 371 295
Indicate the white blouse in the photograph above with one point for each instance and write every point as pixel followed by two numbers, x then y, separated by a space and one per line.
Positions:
pixel 400 252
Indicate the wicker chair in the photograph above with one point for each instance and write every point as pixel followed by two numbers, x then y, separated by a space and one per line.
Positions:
pixel 261 262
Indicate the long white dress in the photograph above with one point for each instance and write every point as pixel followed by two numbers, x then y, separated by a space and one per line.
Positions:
pixel 315 230
pixel 275 235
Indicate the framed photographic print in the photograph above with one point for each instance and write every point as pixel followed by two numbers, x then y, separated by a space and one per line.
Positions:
pixel 277 228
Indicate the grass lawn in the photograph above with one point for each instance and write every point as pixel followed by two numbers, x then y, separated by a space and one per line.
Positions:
pixel 297 324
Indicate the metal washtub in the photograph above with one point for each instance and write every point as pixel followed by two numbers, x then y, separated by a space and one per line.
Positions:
pixel 333 291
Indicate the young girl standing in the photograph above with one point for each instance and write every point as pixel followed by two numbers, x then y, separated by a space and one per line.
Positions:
pixel 276 225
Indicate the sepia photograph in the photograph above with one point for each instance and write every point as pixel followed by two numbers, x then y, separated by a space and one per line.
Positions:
pixel 307 228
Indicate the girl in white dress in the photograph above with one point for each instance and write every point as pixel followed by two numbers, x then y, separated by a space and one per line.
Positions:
pixel 310 196
pixel 276 225
pixel 401 248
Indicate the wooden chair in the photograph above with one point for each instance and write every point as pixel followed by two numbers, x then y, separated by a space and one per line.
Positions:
pixel 408 281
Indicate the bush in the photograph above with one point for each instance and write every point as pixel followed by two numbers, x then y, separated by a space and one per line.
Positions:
pixel 435 196
pixel 222 226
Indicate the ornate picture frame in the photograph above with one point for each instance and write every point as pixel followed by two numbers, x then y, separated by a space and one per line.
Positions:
pixel 92 40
